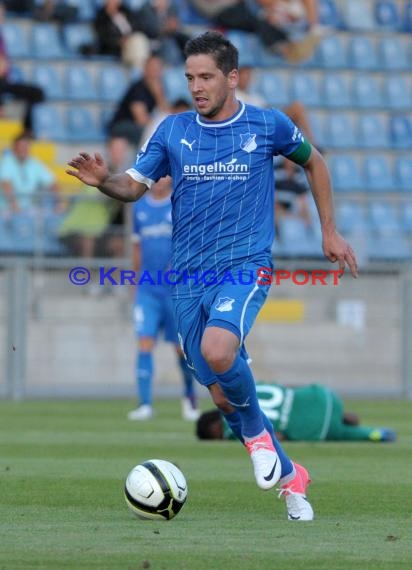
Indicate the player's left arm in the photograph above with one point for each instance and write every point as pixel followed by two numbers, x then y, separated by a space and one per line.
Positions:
pixel 335 247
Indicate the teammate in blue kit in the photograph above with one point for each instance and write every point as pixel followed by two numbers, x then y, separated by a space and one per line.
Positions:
pixel 220 157
pixel 153 311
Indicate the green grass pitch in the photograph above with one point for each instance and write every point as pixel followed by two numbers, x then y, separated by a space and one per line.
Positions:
pixel 62 470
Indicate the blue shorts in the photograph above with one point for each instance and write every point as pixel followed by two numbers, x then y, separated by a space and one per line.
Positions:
pixel 153 314
pixel 230 306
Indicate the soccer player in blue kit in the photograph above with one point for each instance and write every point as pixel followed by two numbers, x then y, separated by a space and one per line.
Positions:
pixel 220 157
pixel 153 310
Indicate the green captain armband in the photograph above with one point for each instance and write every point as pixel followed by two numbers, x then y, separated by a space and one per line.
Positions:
pixel 302 153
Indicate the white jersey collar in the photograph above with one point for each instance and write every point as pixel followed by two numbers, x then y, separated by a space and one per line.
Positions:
pixel 218 124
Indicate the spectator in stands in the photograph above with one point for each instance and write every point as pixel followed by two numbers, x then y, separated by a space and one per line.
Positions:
pixel 141 100
pixel 287 13
pixel 30 94
pixel 117 32
pixel 59 11
pixel 23 178
pixel 159 20
pixel 238 15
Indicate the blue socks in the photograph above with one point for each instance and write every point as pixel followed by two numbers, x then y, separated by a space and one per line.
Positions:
pixel 188 388
pixel 238 386
pixel 144 377
pixel 248 420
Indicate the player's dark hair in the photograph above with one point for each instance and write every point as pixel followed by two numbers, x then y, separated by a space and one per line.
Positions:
pixel 216 45
pixel 204 423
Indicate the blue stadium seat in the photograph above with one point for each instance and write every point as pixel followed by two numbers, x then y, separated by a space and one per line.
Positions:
pixel 329 14
pixel 406 218
pixel 188 15
pixel 77 35
pixel 362 53
pixel 357 15
pixel 378 173
pixel 336 92
pixel 249 47
pixel 6 242
pixel 372 131
pixel 80 83
pixel 17 74
pixel 400 127
pixel 111 83
pixel 366 91
pixel 407 17
pixel 49 123
pixel 305 88
pixel 383 216
pixel 273 87
pixel 49 79
pixel 175 84
pixel 393 54
pixel 331 52
pixel 340 130
pixel 397 91
pixel 295 239
pixel 23 233
pixel 345 173
pixel 82 125
pixel 16 40
pixel 403 173
pixel 391 246
pixel 387 15
pixel 350 217
pixel 86 9
pixel 317 123
pixel 45 42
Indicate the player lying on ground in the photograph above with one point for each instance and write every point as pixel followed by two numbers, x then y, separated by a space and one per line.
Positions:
pixel 304 413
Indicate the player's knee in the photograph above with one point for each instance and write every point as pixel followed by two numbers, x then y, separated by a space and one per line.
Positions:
pixel 218 357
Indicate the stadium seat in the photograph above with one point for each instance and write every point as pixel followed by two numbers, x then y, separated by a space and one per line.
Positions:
pixel 403 173
pixel 372 131
pixel 383 216
pixel 16 40
pixel 250 49
pixel 111 83
pixel 400 127
pixel 16 74
pixel 295 239
pixel 387 15
pixel 397 91
pixel 392 246
pixel 86 9
pixel 357 15
pixel 345 173
pixel 340 130
pixel 23 233
pixel 329 14
pixel 362 53
pixel 406 218
pixel 82 125
pixel 350 217
pixel 48 122
pixel 336 92
pixel 366 91
pixel 6 242
pixel 188 15
pixel 175 84
pixel 273 87
pixel 45 42
pixel 305 88
pixel 80 83
pixel 407 17
pixel 49 79
pixel 393 54
pixel 378 173
pixel 331 52
pixel 77 35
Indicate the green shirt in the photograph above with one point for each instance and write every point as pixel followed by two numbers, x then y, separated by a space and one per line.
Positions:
pixel 302 413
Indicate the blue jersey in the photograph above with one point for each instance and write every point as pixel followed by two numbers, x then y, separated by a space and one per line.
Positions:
pixel 223 188
pixel 152 228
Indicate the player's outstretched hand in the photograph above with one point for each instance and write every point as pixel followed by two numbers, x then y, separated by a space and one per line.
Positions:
pixel 336 248
pixel 90 170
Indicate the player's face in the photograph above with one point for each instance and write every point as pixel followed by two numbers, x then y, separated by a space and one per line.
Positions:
pixel 212 91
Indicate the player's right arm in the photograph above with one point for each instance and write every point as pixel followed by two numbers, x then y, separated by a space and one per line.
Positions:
pixel 93 171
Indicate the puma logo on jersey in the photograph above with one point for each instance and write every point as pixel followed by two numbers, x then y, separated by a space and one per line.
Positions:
pixel 188 144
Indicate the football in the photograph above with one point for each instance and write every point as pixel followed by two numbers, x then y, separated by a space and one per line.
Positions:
pixel 155 489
